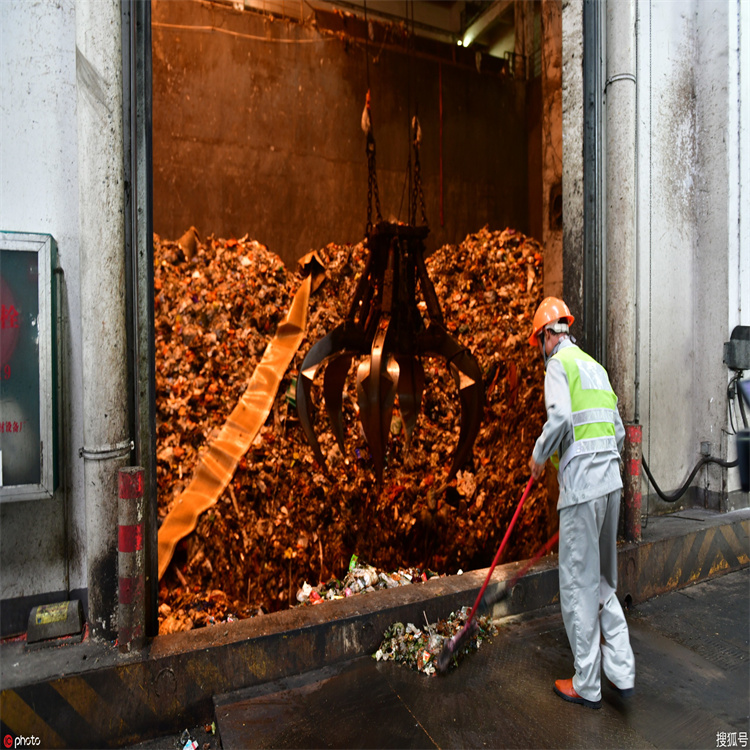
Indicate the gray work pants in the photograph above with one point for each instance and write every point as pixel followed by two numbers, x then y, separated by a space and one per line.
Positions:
pixel 593 617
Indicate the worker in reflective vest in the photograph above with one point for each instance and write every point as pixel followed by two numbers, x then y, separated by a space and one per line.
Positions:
pixel 584 429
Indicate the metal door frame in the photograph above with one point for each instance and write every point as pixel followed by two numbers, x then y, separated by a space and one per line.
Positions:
pixel 139 272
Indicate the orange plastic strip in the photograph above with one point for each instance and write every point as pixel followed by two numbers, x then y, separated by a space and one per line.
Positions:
pixel 218 464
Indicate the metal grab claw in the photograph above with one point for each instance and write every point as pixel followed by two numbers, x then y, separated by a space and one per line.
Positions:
pixel 385 327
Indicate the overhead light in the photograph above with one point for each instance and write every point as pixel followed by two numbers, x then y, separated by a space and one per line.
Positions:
pixel 459 42
pixel 490 15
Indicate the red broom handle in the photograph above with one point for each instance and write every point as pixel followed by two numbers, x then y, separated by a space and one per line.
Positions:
pixel 501 547
pixel 542 551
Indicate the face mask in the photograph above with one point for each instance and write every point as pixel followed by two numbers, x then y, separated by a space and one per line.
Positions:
pixel 544 348
pixel 545 357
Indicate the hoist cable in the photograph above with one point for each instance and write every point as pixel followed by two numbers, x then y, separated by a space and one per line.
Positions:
pixel 406 188
pixel 372 179
pixel 367 47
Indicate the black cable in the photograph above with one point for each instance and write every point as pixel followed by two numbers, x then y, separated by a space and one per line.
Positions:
pixel 729 407
pixel 733 391
pixel 677 495
pixel 737 379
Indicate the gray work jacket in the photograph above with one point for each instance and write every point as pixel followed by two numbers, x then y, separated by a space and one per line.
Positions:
pixel 587 476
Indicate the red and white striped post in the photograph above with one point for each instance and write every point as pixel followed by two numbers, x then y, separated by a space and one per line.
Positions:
pixel 130 564
pixel 632 490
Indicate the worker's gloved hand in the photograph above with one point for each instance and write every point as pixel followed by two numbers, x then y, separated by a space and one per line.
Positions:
pixel 536 469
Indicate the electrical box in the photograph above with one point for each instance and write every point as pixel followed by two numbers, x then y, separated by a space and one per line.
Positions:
pixel 28 367
pixel 737 349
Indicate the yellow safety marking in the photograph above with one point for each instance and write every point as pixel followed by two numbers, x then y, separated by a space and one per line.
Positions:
pixel 705 548
pixel 719 564
pixel 674 579
pixel 661 553
pixel 217 466
pixel 741 551
pixel 202 672
pixel 88 704
pixel 20 718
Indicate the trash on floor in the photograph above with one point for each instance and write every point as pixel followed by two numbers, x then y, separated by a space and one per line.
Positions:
pixel 418 648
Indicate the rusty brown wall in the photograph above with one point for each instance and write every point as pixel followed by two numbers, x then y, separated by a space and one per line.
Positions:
pixel 256 129
pixel 552 157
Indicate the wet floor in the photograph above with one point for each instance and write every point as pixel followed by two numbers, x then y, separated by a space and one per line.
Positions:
pixel 692 689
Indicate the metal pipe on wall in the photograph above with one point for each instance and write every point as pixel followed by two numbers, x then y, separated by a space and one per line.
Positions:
pixel 620 182
pixel 621 256
pixel 107 445
pixel 594 299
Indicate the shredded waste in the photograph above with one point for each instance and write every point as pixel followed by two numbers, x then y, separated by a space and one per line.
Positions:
pixel 419 648
pixel 360 578
pixel 283 520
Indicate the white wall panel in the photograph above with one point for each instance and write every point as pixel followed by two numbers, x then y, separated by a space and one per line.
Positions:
pixel 666 234
pixel 39 193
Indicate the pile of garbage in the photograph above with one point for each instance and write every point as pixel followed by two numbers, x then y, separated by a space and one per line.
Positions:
pixel 360 578
pixel 283 520
pixel 419 648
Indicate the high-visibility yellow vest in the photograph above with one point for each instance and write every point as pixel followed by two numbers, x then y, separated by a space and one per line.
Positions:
pixel 593 404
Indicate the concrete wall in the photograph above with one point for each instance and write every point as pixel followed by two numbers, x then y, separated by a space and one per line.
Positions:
pixel 738 166
pixel 61 84
pixel 42 543
pixel 257 130
pixel 667 237
pixel 712 192
pixel 689 214
pixel 692 261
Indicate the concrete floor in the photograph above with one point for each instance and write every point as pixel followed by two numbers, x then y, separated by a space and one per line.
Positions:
pixel 692 684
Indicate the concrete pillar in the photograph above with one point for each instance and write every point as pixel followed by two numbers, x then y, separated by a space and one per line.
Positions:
pixel 102 276
pixel 620 203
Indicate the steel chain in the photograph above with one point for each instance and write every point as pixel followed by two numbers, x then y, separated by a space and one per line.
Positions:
pixel 417 190
pixel 372 185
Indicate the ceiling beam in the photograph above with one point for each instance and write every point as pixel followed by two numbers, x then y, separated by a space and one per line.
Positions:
pixel 488 17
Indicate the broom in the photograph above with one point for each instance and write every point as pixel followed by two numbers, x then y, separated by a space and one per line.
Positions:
pixel 455 643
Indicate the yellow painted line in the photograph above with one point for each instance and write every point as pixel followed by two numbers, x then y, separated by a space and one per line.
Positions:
pixel 20 718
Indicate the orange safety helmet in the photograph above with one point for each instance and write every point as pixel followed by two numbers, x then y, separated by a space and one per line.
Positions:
pixel 549 311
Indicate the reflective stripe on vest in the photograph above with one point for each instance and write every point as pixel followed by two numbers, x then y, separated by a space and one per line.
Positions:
pixel 593 404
